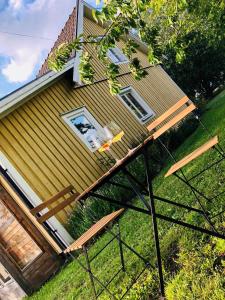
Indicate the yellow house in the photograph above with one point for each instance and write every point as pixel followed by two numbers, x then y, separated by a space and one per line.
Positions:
pixel 47 132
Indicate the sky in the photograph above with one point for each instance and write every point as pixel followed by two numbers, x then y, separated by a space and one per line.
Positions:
pixel 21 57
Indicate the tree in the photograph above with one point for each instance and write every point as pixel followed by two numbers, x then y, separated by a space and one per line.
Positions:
pixel 164 26
pixel 202 69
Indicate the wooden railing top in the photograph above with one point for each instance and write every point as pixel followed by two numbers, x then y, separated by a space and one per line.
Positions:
pixel 52 212
pixel 53 199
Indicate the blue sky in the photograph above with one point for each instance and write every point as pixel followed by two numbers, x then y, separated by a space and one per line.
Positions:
pixel 21 57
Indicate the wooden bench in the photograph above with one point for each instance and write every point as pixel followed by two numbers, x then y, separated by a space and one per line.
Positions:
pixel 196 153
pixel 181 115
pixel 68 190
pixel 93 231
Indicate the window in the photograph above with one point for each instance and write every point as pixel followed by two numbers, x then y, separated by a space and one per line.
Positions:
pixel 114 54
pixel 15 240
pixel 85 126
pixel 136 104
pixel 117 56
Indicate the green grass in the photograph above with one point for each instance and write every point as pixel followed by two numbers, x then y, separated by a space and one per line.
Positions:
pixel 194 265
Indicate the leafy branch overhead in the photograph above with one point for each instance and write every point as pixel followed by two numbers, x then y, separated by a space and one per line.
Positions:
pixel 161 24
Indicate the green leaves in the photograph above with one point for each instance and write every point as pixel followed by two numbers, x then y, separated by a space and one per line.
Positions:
pixel 161 24
pixel 59 58
pixel 130 48
pixel 180 55
pixel 85 68
pixel 136 69
pixel 112 72
pixel 61 55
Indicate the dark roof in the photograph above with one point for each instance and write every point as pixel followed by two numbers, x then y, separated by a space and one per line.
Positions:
pixel 67 35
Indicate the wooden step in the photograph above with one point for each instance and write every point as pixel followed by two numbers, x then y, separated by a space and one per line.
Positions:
pixel 93 231
pixel 196 153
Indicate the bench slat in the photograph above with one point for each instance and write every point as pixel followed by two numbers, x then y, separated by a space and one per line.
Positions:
pixel 57 208
pixel 196 153
pixel 54 198
pixel 173 121
pixel 93 231
pixel 169 112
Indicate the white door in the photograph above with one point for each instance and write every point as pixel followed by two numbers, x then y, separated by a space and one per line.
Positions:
pixel 9 288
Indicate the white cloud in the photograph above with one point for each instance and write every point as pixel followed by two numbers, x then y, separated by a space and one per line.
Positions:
pixel 15 4
pixel 21 67
pixel 42 18
pixel 39 4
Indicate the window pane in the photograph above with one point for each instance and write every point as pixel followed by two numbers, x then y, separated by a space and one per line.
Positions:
pixel 137 104
pixel 119 53
pixel 87 130
pixel 16 241
pixel 112 56
pixel 132 107
pixel 116 55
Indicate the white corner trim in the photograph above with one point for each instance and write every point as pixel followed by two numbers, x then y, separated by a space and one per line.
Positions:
pixel 79 30
pixel 15 99
pixel 33 198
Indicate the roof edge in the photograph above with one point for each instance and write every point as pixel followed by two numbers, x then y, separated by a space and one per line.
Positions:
pixel 20 96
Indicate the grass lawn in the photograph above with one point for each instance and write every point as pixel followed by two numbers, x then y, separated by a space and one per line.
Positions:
pixel 194 264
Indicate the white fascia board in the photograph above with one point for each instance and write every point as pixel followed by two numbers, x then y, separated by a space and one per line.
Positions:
pixel 79 30
pixel 23 94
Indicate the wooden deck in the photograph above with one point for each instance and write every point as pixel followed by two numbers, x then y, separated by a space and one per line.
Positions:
pixel 199 151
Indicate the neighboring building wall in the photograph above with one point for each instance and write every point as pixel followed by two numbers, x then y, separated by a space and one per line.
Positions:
pixel 49 155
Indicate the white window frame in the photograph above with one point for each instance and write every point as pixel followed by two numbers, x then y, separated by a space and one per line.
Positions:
pixel 141 101
pixel 75 113
pixel 112 56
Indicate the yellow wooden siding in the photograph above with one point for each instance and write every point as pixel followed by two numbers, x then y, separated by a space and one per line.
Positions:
pixel 46 151
pixel 91 27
